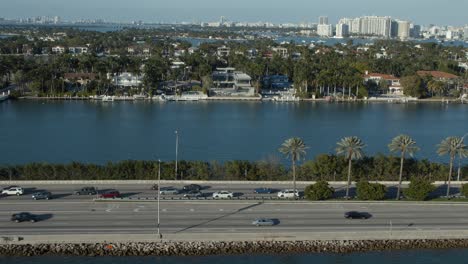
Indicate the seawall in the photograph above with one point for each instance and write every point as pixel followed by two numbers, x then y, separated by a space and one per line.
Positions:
pixel 224 248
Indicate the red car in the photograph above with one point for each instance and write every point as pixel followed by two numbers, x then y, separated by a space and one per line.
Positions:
pixel 110 194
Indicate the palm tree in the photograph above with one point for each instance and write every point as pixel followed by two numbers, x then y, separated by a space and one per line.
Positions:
pixel 295 149
pixel 351 148
pixel 403 144
pixel 450 146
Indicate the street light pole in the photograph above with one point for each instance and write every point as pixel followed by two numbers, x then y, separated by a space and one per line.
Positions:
pixel 176 152
pixel 460 157
pixel 159 190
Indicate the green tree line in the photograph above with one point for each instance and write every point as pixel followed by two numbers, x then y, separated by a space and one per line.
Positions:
pixel 323 167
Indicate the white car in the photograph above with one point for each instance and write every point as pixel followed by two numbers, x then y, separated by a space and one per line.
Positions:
pixel 13 191
pixel 288 194
pixel 223 194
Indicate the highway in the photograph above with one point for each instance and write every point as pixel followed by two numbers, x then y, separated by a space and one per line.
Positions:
pixel 72 214
pixel 180 217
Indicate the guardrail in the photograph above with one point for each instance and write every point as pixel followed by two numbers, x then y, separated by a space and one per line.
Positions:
pixel 172 182
pixel 178 198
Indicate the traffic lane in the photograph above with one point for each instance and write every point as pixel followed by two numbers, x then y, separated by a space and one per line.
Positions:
pixel 233 217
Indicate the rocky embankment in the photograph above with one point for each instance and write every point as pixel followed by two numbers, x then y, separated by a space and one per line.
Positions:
pixel 223 248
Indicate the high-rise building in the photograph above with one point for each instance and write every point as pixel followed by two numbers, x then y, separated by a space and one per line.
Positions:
pixel 377 26
pixel 342 30
pixel 325 30
pixel 323 20
pixel 465 33
pixel 403 29
pixel 415 31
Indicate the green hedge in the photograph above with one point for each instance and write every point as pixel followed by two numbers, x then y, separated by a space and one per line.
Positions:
pixel 319 191
pixel 370 191
pixel 419 189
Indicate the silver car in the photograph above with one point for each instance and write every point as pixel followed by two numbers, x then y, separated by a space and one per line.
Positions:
pixel 263 222
pixel 168 191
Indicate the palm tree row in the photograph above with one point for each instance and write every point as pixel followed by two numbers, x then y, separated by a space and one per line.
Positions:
pixel 352 149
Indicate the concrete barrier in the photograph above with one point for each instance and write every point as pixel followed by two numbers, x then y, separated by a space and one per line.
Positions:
pixel 227 237
pixel 166 182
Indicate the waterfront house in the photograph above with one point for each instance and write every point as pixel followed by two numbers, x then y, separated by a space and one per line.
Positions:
pixel 394 86
pixel 81 78
pixel 229 82
pixel 438 75
pixel 275 82
pixel 126 80
pixel 450 80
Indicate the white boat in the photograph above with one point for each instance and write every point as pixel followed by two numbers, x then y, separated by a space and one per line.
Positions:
pixel 107 98
pixel 139 97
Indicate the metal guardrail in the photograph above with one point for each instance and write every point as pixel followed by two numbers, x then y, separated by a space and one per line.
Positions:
pixel 177 198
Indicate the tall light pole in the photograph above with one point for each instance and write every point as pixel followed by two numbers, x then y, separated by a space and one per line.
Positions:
pixel 176 152
pixel 460 157
pixel 159 191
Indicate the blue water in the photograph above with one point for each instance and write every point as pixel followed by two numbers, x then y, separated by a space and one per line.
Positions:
pixel 64 131
pixel 389 257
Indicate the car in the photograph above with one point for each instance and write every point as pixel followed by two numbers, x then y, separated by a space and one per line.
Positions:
pixel 13 191
pixel 356 215
pixel 22 217
pixel 42 195
pixel 223 194
pixel 110 194
pixel 9 187
pixel 168 191
pixel 154 187
pixel 288 194
pixel 263 222
pixel 191 187
pixel 263 190
pixel 193 194
pixel 86 191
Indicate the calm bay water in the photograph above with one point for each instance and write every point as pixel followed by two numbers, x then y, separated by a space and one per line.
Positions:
pixel 401 257
pixel 64 131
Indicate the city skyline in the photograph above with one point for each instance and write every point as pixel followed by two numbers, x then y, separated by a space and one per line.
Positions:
pixel 296 11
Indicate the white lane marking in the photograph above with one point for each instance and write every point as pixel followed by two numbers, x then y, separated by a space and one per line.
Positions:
pixel 136 210
pixel 164 210
pixel 221 210
pixel 111 207
pixel 192 210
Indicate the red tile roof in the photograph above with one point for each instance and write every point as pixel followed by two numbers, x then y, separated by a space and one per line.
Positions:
pixel 437 74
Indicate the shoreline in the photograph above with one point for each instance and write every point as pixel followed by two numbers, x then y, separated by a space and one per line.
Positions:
pixel 225 248
pixel 254 99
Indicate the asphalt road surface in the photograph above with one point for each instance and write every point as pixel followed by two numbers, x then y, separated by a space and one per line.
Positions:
pixel 68 216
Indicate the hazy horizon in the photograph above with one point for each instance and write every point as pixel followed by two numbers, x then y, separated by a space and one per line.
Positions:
pixel 295 11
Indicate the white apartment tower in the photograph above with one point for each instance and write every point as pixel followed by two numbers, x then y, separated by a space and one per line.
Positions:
pixel 342 30
pixel 325 30
pixel 323 20
pixel 374 25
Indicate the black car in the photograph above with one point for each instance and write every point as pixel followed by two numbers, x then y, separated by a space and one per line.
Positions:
pixel 42 195
pixel 86 191
pixel 154 187
pixel 192 187
pixel 22 217
pixel 356 215
pixel 193 194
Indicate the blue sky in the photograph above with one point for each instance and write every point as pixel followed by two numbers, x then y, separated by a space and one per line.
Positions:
pixel 442 12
